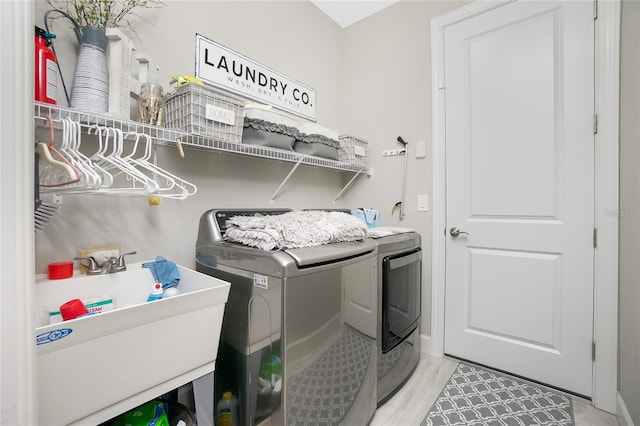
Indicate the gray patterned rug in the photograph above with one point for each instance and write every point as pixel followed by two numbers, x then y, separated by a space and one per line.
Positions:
pixel 475 396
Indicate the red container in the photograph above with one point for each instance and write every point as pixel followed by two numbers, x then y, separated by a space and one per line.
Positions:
pixel 46 68
pixel 73 309
pixel 60 270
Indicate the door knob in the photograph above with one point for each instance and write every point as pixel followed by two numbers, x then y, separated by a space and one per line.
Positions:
pixel 455 232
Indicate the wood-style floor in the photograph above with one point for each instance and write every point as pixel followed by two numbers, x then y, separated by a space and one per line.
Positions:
pixel 411 403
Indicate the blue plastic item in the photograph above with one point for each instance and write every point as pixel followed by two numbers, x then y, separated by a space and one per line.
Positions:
pixel 164 271
pixel 156 293
pixel 370 217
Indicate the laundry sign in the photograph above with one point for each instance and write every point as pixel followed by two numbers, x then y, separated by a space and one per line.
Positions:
pixel 223 67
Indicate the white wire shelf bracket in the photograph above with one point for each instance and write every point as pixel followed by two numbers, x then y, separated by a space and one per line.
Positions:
pixel 347 186
pixel 275 194
pixel 166 136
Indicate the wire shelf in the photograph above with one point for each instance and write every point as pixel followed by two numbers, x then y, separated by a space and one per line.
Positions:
pixel 170 136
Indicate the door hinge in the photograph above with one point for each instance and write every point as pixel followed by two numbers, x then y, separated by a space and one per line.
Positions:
pixel 595 9
pixel 595 237
pixel 593 351
pixel 595 123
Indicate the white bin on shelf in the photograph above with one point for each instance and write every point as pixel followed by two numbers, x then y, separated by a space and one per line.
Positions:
pixel 94 368
pixel 205 110
pixel 353 150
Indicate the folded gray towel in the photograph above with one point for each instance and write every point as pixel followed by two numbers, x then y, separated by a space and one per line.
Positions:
pixel 295 229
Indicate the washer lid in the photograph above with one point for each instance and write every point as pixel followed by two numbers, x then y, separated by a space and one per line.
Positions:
pixel 329 253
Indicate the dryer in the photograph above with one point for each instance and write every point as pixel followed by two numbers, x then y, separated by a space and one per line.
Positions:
pixel 399 310
pixel 298 343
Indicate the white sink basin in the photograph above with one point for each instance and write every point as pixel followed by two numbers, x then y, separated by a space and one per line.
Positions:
pixel 93 368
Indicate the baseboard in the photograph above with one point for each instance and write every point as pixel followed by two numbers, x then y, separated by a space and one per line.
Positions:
pixel 622 414
pixel 425 344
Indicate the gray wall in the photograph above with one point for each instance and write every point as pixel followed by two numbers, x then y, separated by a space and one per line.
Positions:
pixel 629 315
pixel 371 83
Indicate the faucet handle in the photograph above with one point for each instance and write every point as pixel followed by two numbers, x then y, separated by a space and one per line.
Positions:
pixel 121 266
pixel 94 269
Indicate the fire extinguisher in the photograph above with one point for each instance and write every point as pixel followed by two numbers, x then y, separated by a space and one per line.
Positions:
pixel 46 71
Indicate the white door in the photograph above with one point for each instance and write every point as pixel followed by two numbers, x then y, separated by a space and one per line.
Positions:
pixel 520 182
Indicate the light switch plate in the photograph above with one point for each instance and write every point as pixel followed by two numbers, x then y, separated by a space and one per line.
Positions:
pixel 423 202
pixel 421 149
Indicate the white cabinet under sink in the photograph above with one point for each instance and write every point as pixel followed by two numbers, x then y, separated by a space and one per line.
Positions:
pixel 96 367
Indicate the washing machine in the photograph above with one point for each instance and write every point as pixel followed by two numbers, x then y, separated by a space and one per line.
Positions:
pixel 299 334
pixel 399 310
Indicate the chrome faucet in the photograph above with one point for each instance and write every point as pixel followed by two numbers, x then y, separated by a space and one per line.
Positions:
pixel 109 266
pixel 94 269
pixel 120 265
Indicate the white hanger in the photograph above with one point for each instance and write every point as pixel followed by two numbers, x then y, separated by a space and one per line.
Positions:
pixel 69 146
pixel 74 147
pixel 176 187
pixel 141 164
pixel 56 169
pixel 135 174
pixel 107 178
pixel 99 157
pixel 54 173
pixel 87 175
pixel 103 178
pixel 139 184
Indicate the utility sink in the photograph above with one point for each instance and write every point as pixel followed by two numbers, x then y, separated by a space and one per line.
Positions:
pixel 93 368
